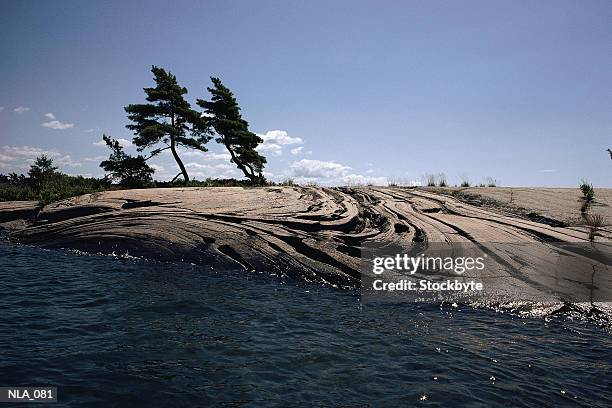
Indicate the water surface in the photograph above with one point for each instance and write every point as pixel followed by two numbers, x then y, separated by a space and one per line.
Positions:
pixel 121 332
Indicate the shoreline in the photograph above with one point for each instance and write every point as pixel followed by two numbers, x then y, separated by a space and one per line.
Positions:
pixel 306 233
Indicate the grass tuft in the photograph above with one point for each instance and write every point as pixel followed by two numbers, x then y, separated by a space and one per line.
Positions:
pixel 594 222
pixel 442 180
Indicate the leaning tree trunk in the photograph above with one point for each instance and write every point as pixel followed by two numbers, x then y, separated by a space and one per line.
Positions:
pixel 178 160
pixel 241 166
pixel 175 154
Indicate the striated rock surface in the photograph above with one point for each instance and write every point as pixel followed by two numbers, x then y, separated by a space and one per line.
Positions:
pixel 313 234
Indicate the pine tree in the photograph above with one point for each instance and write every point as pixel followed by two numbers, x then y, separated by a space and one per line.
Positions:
pixel 41 171
pixel 233 131
pixel 167 119
pixel 128 170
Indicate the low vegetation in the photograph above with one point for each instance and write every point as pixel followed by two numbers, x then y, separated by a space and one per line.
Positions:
pixel 442 180
pixel 125 170
pixel 587 190
pixel 429 180
pixel 45 184
pixel 287 182
pixel 588 195
pixel 594 223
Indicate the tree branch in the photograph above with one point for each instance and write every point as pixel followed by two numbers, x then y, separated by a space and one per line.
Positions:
pixel 177 176
pixel 156 152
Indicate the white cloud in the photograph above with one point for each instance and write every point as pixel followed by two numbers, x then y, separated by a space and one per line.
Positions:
pixel 158 168
pixel 5 158
pixel 57 125
pixel 275 140
pixel 202 166
pixel 95 159
pixel 548 171
pixel 219 166
pixel 67 160
pixel 353 179
pixel 296 151
pixel 204 155
pixel 330 173
pixel 167 171
pixel 122 142
pixel 217 156
pixel 280 137
pixel 273 148
pixel 50 115
pixel 21 109
pixel 27 151
pixel 318 169
pixel 1 108
pixel 17 158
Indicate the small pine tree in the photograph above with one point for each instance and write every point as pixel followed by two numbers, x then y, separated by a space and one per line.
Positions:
pixel 41 171
pixel 128 171
pixel 233 131
pixel 167 119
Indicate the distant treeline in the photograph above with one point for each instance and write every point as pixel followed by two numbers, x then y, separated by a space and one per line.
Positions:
pixel 45 184
pixel 165 122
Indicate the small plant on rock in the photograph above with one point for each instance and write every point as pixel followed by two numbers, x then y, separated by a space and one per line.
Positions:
pixel 442 180
pixel 588 195
pixel 594 222
pixel 587 190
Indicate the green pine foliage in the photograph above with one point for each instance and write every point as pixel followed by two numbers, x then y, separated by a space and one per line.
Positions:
pixel 587 190
pixel 41 171
pixel 233 131
pixel 167 119
pixel 125 170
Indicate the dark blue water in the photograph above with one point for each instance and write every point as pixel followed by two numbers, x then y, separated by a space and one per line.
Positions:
pixel 115 332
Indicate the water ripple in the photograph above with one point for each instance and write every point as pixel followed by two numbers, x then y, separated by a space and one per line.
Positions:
pixel 124 332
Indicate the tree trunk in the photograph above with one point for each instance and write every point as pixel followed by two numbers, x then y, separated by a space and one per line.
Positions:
pixel 175 154
pixel 178 160
pixel 241 166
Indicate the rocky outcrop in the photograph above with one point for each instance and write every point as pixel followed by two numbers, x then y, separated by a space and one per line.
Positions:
pixel 314 234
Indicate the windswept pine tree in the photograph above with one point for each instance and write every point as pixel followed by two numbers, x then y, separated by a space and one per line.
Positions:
pixel 128 171
pixel 224 115
pixel 168 119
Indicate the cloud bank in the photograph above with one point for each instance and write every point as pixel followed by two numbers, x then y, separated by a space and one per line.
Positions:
pixel 329 173
pixel 275 140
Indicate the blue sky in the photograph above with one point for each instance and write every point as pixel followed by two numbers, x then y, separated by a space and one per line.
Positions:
pixel 344 92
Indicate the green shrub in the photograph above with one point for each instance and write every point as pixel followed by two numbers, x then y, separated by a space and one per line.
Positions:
pixel 10 192
pixel 54 188
pixel 587 191
pixel 594 222
pixel 430 180
pixel 442 180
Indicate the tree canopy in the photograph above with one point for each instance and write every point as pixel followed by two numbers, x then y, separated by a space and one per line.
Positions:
pixel 128 171
pixel 233 132
pixel 41 171
pixel 167 119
